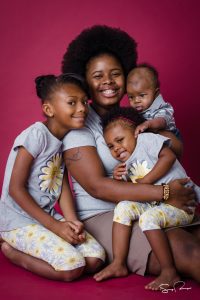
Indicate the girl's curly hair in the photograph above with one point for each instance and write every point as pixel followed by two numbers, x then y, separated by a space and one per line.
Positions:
pixel 126 115
pixel 96 40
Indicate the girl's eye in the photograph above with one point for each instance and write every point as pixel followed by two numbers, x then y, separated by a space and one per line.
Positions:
pixel 71 103
pixel 85 102
pixel 110 147
pixel 130 97
pixel 120 140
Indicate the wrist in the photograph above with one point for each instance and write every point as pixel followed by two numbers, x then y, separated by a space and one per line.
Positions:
pixel 166 192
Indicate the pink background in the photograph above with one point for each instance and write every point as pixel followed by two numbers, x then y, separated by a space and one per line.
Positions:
pixel 35 34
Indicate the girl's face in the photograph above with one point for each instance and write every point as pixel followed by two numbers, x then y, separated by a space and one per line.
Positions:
pixel 105 78
pixel 68 108
pixel 120 140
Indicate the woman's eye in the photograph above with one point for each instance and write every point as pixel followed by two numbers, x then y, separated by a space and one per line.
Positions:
pixel 115 74
pixel 97 76
pixel 85 102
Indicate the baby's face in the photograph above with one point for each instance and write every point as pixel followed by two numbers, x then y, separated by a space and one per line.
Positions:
pixel 140 91
pixel 121 141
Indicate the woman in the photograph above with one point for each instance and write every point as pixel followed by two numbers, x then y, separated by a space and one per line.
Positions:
pixel 104 55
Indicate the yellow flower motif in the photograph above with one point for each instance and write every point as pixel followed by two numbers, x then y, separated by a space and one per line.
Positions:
pixel 138 170
pixel 59 250
pixel 52 175
pixel 71 261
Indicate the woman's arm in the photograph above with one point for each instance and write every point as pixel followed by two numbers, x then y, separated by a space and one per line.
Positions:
pixel 18 191
pixel 166 159
pixel 86 167
pixel 176 144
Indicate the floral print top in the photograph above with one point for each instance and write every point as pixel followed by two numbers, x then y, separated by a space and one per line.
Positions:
pixel 45 178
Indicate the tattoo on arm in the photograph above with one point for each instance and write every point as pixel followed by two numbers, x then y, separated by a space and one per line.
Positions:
pixel 76 156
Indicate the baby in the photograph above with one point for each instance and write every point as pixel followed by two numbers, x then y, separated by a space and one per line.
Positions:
pixel 143 89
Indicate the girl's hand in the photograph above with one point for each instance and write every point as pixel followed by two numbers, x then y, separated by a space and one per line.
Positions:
pixel 119 171
pixel 78 228
pixel 66 232
pixel 180 196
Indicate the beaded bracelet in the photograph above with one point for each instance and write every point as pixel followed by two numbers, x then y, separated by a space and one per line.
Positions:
pixel 166 191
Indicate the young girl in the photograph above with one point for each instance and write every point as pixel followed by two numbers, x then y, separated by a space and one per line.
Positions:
pixel 49 245
pixel 148 159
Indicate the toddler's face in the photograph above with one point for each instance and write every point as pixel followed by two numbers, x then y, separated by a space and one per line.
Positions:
pixel 121 141
pixel 140 92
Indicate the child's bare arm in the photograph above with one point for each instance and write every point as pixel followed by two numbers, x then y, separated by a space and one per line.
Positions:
pixel 153 125
pixel 18 191
pixel 165 161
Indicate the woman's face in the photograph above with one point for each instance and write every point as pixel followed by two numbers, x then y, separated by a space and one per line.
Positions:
pixel 105 77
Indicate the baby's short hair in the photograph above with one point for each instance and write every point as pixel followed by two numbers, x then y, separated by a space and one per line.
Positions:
pixel 154 76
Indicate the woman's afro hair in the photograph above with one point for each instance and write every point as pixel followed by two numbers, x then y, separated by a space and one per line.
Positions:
pixel 122 114
pixel 97 40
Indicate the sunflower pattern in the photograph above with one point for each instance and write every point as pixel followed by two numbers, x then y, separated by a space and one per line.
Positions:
pixel 52 175
pixel 138 170
pixel 41 243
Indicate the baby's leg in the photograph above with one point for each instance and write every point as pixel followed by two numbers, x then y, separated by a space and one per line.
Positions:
pixel 93 253
pixel 125 213
pixel 151 222
pixel 42 252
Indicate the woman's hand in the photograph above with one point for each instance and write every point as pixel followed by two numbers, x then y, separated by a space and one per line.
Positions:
pixel 180 196
pixel 119 171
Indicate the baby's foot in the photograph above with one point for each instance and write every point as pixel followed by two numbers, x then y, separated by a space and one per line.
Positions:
pixel 112 270
pixel 167 279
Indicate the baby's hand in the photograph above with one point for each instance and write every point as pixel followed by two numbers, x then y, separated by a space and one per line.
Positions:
pixel 141 128
pixel 119 171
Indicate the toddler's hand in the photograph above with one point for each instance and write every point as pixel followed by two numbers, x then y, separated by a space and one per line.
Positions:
pixel 119 171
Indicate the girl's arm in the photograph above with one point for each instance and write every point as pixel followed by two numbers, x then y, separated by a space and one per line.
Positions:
pixel 66 203
pixel 18 191
pixel 165 161
pixel 86 167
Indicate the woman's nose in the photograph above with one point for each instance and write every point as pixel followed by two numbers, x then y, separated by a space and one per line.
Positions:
pixel 107 80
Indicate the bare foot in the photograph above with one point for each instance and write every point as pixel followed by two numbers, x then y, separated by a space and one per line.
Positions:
pixel 167 279
pixel 112 270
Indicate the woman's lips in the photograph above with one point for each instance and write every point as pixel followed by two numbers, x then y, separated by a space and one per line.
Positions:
pixel 109 93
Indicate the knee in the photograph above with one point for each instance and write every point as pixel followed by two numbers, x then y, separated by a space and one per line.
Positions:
pixel 70 275
pixel 93 264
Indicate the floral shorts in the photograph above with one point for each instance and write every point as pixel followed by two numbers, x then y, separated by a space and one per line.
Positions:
pixel 41 243
pixel 150 216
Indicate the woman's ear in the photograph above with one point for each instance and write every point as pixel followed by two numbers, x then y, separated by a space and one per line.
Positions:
pixel 48 109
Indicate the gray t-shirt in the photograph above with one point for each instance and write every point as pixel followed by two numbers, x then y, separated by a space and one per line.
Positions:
pixel 91 135
pixel 45 179
pixel 145 156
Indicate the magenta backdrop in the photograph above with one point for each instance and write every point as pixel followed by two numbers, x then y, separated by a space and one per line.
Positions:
pixel 35 34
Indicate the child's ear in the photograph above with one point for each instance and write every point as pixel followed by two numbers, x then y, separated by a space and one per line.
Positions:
pixel 48 109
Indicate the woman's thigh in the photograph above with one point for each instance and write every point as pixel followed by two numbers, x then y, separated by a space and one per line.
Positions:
pixel 185 247
pixel 100 227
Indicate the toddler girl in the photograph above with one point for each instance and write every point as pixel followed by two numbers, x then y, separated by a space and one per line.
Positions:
pixel 148 159
pixel 36 236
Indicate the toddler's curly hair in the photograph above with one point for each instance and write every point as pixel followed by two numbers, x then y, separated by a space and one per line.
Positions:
pixel 126 116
